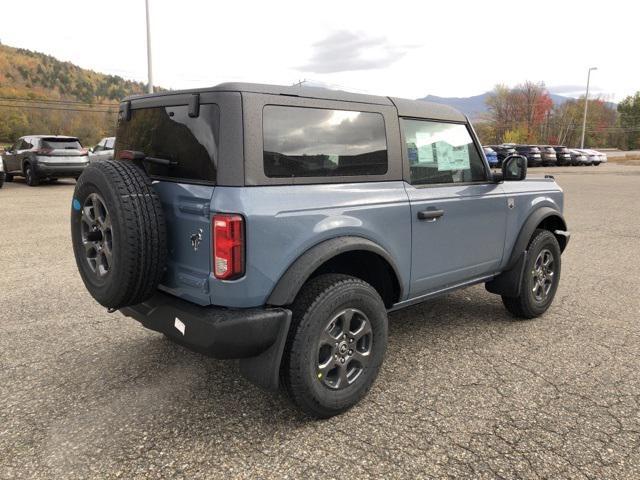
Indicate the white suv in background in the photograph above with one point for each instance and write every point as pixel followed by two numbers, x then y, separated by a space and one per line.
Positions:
pixel 1 173
pixel 103 150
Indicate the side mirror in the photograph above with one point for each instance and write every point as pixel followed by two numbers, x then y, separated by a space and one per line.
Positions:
pixel 514 168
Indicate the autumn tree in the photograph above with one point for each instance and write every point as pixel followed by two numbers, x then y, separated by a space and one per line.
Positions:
pixel 523 111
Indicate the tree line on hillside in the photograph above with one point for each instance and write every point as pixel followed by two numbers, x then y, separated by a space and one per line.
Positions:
pixel 40 94
pixel 526 114
pixel 88 125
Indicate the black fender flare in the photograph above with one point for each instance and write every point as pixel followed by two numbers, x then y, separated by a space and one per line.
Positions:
pixel 508 282
pixel 529 226
pixel 286 289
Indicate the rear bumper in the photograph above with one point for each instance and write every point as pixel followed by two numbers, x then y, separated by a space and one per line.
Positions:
pixel 219 332
pixel 53 170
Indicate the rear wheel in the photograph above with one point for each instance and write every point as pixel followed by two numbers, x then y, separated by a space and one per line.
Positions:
pixel 30 176
pixel 540 278
pixel 335 346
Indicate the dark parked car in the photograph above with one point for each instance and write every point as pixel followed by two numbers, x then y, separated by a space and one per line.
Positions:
pixel 563 154
pixel 503 151
pixel 532 154
pixel 578 158
pixel 45 157
pixel 492 156
pixel 549 157
pixel 278 225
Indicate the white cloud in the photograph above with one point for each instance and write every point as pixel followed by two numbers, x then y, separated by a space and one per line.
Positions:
pixel 458 49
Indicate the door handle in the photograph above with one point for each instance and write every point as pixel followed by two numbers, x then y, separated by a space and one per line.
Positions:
pixel 430 215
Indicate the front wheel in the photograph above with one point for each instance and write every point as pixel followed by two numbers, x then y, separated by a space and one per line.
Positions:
pixel 540 278
pixel 336 344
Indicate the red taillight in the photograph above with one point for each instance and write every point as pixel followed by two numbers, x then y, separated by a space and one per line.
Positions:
pixel 44 151
pixel 130 155
pixel 228 246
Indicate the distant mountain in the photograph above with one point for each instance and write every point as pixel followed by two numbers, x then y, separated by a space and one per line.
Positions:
pixel 41 94
pixel 475 107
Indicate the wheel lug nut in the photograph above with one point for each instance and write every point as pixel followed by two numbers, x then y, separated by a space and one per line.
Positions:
pixel 342 360
pixel 350 352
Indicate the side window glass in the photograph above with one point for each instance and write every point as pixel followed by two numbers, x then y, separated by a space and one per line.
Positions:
pixel 317 142
pixel 440 152
pixel 108 145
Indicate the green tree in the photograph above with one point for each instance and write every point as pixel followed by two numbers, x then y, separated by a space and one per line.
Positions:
pixel 519 134
pixel 629 110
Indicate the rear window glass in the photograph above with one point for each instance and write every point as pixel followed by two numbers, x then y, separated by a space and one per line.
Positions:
pixel 315 142
pixel 61 144
pixel 170 133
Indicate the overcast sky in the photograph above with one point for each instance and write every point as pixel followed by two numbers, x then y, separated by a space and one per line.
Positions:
pixel 401 48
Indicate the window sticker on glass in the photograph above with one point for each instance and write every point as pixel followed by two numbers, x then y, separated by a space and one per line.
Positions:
pixel 452 158
pixel 424 141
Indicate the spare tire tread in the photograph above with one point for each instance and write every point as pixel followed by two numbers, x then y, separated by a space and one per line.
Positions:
pixel 142 260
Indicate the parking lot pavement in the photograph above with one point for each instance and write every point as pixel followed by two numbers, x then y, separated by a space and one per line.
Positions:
pixel 465 391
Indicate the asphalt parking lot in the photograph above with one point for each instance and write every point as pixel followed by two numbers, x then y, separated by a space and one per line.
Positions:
pixel 466 391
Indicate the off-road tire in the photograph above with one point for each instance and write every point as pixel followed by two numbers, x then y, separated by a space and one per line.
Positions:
pixel 318 301
pixel 138 247
pixel 525 305
pixel 30 177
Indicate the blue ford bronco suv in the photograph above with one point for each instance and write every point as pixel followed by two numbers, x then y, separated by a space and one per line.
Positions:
pixel 280 225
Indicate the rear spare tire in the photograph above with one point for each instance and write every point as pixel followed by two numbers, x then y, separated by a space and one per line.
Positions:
pixel 118 233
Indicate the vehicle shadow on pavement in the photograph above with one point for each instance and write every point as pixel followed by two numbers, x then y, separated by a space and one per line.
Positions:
pixel 147 385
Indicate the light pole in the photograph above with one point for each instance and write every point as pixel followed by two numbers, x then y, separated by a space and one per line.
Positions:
pixel 586 102
pixel 149 69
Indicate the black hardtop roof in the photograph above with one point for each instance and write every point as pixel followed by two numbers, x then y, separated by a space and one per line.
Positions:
pixel 406 107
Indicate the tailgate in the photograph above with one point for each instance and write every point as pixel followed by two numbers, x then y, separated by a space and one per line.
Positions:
pixel 186 208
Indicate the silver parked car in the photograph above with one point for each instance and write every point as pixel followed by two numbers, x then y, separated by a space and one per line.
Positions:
pixel 594 156
pixel 103 150
pixel 45 157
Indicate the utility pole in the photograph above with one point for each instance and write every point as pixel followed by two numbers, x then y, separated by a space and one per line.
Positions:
pixel 586 102
pixel 149 69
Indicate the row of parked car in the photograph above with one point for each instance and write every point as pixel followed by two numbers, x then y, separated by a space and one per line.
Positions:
pixel 49 157
pixel 544 155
